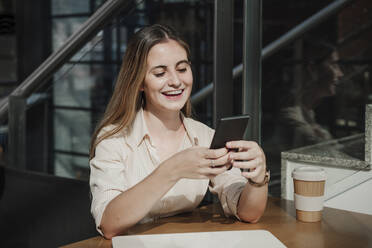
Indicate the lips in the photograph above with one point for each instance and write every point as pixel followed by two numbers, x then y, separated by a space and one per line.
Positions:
pixel 173 93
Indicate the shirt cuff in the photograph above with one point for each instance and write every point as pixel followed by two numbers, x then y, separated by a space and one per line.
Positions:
pixel 230 198
pixel 98 210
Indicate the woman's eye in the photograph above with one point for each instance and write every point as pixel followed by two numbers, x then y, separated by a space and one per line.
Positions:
pixel 160 74
pixel 182 70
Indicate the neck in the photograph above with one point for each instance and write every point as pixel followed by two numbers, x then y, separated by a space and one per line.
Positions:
pixel 311 100
pixel 162 122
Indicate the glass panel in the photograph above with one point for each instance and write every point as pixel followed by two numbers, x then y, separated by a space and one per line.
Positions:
pixel 81 84
pixel 72 130
pixel 71 166
pixel 63 7
pixel 316 89
pixel 74 88
pixel 92 51
pixel 63 28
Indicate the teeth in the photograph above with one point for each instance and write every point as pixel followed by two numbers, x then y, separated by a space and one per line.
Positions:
pixel 176 92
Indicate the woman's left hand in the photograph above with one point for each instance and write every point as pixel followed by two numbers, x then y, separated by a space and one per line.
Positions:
pixel 249 156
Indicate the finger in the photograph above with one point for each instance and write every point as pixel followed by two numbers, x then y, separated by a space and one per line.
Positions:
pixel 252 174
pixel 245 155
pixel 241 144
pixel 251 164
pixel 222 161
pixel 215 153
pixel 215 171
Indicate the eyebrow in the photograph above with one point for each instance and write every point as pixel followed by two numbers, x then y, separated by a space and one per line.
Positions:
pixel 177 64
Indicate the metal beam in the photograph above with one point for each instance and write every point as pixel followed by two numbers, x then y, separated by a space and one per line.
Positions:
pixel 17 132
pixel 223 60
pixel 251 93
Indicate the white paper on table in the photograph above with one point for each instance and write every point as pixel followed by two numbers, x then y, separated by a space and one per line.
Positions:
pixel 221 239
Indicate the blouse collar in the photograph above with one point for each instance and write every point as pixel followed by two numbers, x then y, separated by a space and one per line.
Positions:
pixel 139 131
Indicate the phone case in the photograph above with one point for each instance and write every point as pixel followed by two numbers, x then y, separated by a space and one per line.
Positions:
pixel 229 129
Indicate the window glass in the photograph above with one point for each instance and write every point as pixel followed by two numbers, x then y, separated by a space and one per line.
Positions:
pixel 74 88
pixel 63 28
pixel 92 51
pixel 81 84
pixel 315 89
pixel 72 130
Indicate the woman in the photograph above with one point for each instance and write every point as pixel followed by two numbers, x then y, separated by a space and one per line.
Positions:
pixel 149 160
pixel 322 75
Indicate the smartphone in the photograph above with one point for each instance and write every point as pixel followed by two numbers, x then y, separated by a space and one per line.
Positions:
pixel 229 129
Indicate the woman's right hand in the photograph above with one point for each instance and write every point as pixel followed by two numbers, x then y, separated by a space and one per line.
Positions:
pixel 198 163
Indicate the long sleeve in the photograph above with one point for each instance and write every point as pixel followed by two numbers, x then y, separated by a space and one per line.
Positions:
pixel 107 176
pixel 228 186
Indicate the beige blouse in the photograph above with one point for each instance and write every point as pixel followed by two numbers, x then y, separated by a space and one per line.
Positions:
pixel 123 160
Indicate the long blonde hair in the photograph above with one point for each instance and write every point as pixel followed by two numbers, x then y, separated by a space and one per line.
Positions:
pixel 127 98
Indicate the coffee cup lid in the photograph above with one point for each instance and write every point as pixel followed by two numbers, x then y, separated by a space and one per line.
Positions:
pixel 309 173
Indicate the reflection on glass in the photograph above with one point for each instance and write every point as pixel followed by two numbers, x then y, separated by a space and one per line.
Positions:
pixel 84 85
pixel 63 28
pixel 74 88
pixel 316 89
pixel 321 75
pixel 72 130
pixel 92 51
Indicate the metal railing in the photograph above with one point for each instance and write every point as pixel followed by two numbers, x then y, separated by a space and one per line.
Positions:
pixel 55 61
pixel 15 104
pixel 285 39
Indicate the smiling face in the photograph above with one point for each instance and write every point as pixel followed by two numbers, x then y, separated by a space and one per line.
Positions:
pixel 168 80
pixel 333 74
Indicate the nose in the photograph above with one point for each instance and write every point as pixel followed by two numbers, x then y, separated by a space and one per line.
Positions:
pixel 174 80
pixel 339 72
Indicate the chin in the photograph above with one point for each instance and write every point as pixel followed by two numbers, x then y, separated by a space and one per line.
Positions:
pixel 174 105
pixel 177 107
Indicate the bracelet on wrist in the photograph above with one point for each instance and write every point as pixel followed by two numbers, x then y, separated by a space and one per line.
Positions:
pixel 264 181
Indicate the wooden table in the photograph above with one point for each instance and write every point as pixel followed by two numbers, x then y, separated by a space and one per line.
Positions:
pixel 338 228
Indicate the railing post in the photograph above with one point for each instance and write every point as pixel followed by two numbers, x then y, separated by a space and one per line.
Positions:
pixel 223 60
pixel 17 132
pixel 252 67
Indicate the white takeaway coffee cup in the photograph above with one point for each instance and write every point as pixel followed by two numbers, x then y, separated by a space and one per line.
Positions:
pixel 309 183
